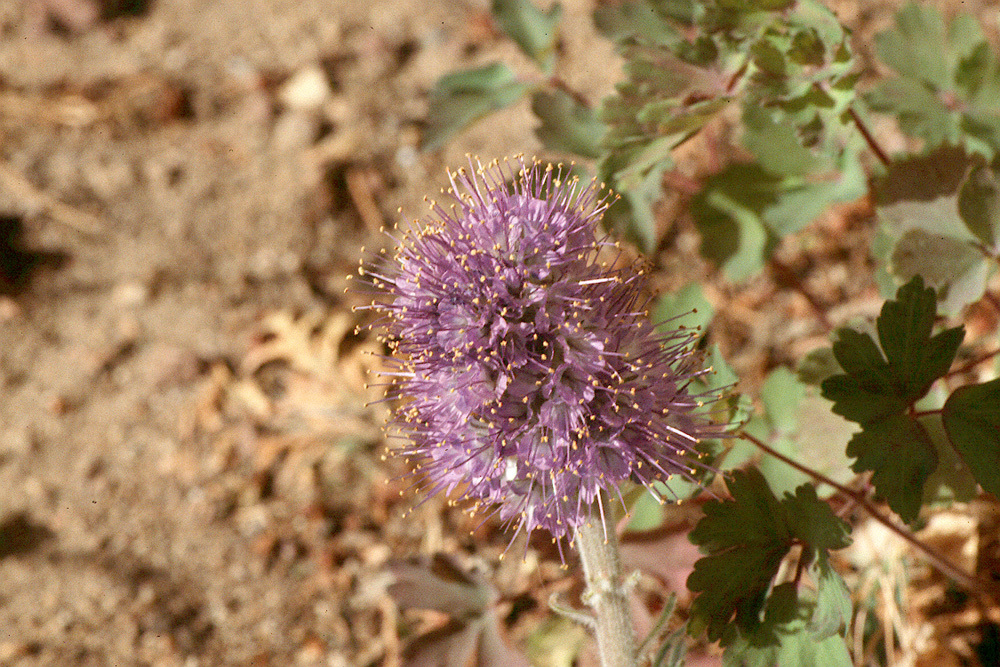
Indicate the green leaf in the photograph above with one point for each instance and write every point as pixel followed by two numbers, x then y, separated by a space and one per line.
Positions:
pixel 533 30
pixel 916 359
pixel 919 111
pixel 979 205
pixel 727 213
pixel 819 443
pixel 461 98
pixel 634 19
pixel 817 365
pixel 745 540
pixel 918 46
pixel 567 125
pixel 794 647
pixel 901 457
pixel 955 269
pixel 923 193
pixel 812 521
pixel 949 80
pixel 632 215
pixel 952 482
pixel 972 420
pixel 647 512
pixel 776 144
pixel 781 395
pixel 920 203
pixel 685 308
pixel 832 615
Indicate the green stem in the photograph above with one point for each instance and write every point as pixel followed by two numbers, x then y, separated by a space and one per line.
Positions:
pixel 606 593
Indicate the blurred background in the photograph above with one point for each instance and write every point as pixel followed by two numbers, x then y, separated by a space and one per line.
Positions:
pixel 190 472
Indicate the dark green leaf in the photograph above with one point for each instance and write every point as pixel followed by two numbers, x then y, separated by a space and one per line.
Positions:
pixel 875 387
pixel 876 390
pixel 745 539
pixel 812 521
pixel 916 359
pixel 533 30
pixel 972 420
pixel 461 98
pixel 860 402
pixel 567 125
pixel 901 457
pixel 863 393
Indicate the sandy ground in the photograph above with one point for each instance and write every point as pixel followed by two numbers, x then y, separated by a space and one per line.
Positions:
pixel 188 474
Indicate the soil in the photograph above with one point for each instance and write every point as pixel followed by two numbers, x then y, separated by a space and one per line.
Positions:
pixel 190 471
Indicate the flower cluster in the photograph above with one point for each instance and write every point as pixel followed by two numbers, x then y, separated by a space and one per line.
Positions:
pixel 528 374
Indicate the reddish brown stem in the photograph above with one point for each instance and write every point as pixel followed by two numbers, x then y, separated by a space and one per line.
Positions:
pixel 945 566
pixel 972 363
pixel 869 139
pixel 786 275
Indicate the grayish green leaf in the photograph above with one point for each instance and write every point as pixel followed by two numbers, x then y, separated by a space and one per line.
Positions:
pixel 461 98
pixel 532 29
pixel 687 308
pixel 955 269
pixel 567 125
pixel 979 205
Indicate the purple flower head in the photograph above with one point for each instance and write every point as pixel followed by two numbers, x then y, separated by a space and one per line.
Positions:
pixel 528 374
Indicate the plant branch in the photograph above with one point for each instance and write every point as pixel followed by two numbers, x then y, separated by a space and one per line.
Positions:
pixel 786 275
pixel 606 592
pixel 972 363
pixel 945 566
pixel 869 139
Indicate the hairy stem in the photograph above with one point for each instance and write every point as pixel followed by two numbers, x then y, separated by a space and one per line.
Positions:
pixel 606 593
pixel 945 566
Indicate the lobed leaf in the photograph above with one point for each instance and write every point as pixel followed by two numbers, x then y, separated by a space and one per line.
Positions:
pixel 745 540
pixel 461 98
pixel 901 457
pixel 879 385
pixel 949 80
pixel 533 30
pixel 971 418
pixel 567 125
pixel 916 359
